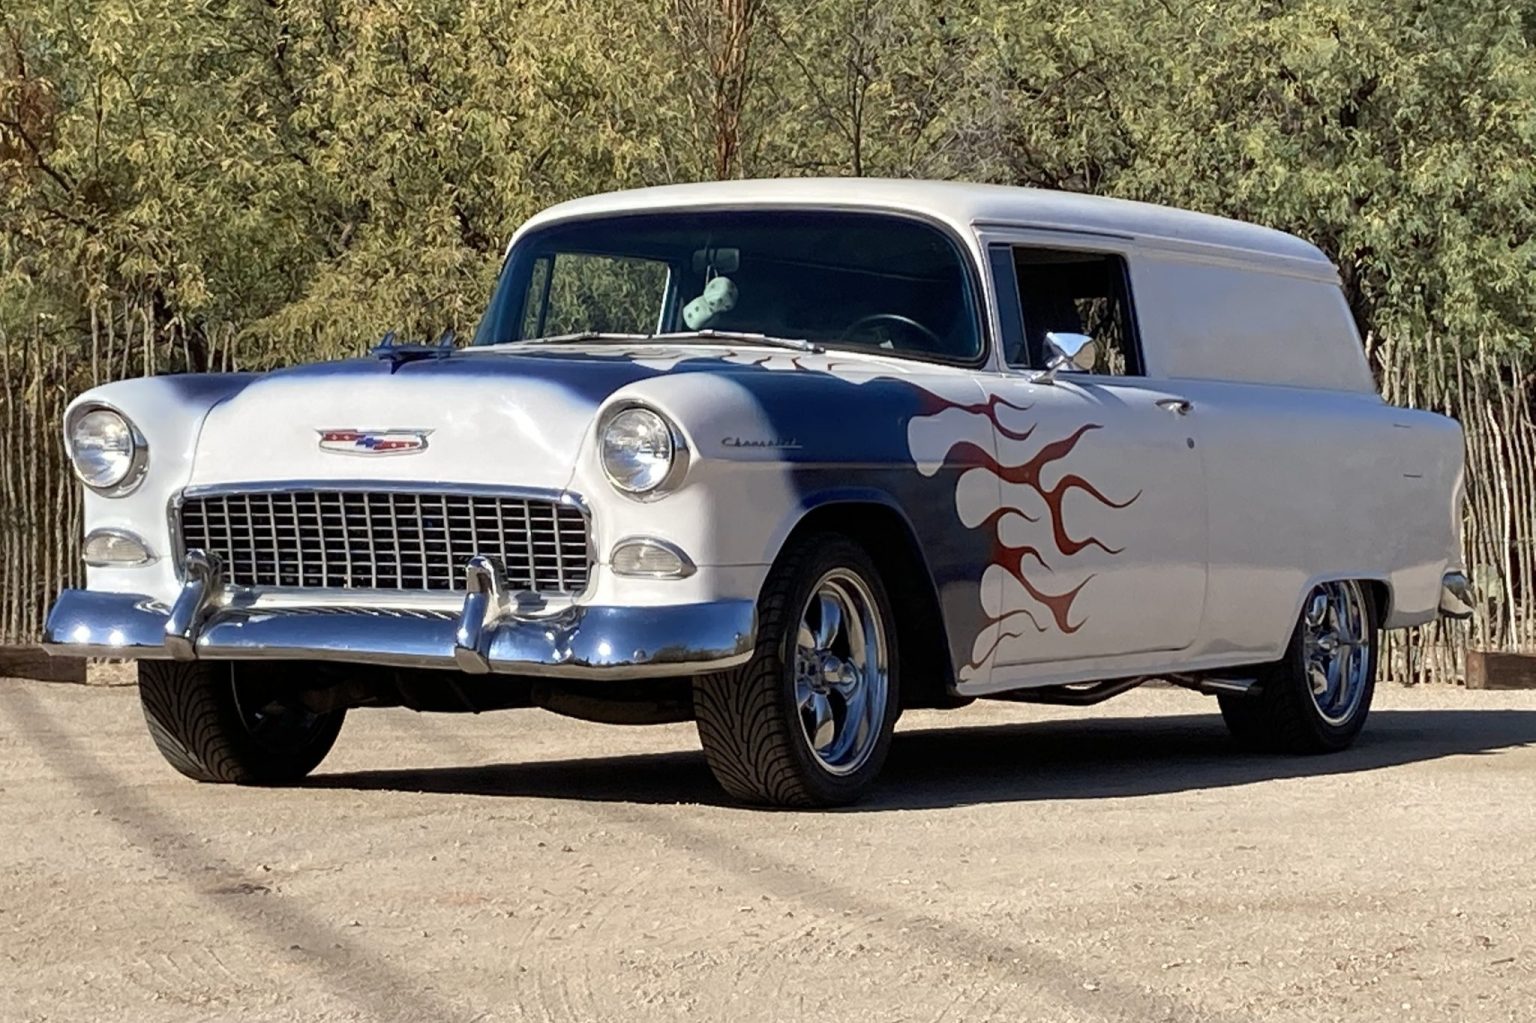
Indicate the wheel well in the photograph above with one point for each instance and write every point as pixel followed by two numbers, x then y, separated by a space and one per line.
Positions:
pixel 1381 596
pixel 927 675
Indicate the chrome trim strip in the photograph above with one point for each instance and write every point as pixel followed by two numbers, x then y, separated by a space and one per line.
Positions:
pixel 408 486
pixel 1457 599
pixel 286 598
pixel 593 642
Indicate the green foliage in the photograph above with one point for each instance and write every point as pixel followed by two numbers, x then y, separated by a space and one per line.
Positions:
pixel 304 174
pixel 621 296
pixel 242 183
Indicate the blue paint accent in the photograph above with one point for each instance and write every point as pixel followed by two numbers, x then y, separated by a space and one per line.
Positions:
pixel 854 447
pixel 588 375
pixel 206 387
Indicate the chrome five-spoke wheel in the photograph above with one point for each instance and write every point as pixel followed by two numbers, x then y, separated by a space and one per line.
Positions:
pixel 1335 652
pixel 808 720
pixel 1316 697
pixel 841 681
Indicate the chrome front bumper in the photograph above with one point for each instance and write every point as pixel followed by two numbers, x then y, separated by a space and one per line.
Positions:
pixel 486 635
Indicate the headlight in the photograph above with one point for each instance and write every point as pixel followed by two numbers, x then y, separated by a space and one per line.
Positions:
pixel 642 454
pixel 106 449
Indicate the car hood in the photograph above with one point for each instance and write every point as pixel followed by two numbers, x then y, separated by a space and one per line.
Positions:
pixel 490 416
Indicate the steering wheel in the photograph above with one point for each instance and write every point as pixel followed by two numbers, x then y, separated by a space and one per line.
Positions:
pixel 934 341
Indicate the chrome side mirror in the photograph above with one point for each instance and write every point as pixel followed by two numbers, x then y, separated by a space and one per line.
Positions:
pixel 1068 353
pixel 1072 353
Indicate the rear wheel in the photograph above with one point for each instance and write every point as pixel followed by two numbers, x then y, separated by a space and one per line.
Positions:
pixel 807 721
pixel 1316 698
pixel 222 722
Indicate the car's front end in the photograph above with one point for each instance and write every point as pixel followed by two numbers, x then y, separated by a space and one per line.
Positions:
pixel 668 418
pixel 427 514
pixel 595 488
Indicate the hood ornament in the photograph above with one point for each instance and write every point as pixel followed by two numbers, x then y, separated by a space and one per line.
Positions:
pixel 348 441
pixel 398 354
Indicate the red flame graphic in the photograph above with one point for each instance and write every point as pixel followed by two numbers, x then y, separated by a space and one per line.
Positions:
pixel 1028 472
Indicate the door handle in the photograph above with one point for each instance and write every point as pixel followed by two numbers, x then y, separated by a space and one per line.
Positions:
pixel 1178 406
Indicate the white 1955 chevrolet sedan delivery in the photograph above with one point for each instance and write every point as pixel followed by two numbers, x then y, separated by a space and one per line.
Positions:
pixel 784 458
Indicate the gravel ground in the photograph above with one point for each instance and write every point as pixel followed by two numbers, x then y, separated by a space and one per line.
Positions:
pixel 1018 863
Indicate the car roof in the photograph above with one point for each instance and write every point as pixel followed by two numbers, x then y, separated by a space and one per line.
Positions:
pixel 961 205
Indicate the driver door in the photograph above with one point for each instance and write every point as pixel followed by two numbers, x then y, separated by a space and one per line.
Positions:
pixel 1102 536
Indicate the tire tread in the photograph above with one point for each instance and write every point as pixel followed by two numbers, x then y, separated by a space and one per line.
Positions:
pixel 192 718
pixel 749 741
pixel 1279 716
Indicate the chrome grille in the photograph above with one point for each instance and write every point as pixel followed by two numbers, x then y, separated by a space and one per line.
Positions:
pixel 386 539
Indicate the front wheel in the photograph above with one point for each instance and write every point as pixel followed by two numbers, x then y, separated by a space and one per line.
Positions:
pixel 1315 699
pixel 807 721
pixel 221 722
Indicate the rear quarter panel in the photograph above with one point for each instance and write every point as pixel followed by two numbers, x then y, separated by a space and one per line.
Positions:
pixel 1308 485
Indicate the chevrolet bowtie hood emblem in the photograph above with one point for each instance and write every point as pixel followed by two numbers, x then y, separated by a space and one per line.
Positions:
pixel 344 441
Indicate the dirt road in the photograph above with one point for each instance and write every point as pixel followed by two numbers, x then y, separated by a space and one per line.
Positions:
pixel 1119 863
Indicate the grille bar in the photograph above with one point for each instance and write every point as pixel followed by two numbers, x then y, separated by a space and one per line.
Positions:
pixel 387 539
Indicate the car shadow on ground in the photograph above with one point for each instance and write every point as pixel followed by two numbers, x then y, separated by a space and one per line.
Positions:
pixel 944 767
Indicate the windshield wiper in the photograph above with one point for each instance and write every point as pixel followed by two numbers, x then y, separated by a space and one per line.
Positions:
pixel 743 337
pixel 582 336
pixel 796 343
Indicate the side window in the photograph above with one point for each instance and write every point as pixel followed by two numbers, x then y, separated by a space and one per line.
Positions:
pixel 1076 292
pixel 575 292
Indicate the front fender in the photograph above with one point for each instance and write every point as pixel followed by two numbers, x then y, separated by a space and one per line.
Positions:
pixel 830 496
pixel 766 442
pixel 817 438
pixel 169 412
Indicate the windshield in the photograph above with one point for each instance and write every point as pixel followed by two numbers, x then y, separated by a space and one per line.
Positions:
pixel 843 280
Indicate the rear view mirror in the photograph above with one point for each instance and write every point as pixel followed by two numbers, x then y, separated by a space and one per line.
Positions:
pixel 722 261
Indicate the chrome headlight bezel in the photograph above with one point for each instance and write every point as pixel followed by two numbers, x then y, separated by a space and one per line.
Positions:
pixel 136 465
pixel 669 479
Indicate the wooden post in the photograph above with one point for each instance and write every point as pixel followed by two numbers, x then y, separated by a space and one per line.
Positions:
pixel 31 662
pixel 1500 671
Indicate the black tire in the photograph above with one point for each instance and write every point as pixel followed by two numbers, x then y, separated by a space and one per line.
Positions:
pixel 1280 715
pixel 234 724
pixel 747 717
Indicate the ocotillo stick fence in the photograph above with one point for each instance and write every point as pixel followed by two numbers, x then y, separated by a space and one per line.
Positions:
pixel 40 504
